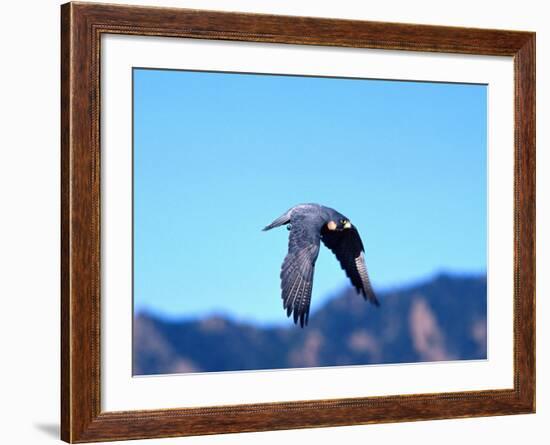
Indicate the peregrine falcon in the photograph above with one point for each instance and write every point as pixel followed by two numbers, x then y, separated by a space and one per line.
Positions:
pixel 308 225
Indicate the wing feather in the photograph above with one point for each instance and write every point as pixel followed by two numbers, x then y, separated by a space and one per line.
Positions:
pixel 347 246
pixel 297 270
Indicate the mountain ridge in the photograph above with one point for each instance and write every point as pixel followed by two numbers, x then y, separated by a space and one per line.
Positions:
pixel 439 319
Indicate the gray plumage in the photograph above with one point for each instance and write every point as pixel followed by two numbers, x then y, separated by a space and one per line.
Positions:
pixel 308 225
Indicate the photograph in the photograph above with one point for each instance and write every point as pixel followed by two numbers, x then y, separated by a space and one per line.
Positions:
pixel 293 221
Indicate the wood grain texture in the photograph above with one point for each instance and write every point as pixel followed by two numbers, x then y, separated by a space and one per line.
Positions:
pixel 81 29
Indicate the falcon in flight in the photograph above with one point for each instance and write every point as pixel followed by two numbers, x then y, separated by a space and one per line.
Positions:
pixel 308 225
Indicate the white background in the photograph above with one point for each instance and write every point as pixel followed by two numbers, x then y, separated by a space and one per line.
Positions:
pixel 29 223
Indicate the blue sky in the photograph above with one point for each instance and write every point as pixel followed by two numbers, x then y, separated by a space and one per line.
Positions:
pixel 217 156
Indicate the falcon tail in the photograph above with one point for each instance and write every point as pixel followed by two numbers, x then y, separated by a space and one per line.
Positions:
pixel 281 220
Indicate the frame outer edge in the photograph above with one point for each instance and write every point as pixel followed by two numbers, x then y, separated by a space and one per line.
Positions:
pixel 79 229
pixel 81 416
pixel 525 96
pixel 65 424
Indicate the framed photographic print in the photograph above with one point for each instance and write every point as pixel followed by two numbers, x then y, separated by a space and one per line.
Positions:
pixel 399 158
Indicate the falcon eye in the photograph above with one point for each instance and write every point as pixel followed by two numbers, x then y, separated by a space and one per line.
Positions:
pixel 346 224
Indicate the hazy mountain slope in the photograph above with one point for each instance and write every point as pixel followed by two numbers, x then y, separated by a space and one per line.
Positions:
pixel 442 319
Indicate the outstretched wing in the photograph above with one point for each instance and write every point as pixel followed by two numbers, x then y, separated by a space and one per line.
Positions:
pixel 347 246
pixel 297 269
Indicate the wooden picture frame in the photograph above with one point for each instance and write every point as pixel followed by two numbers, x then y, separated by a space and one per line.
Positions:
pixel 82 25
